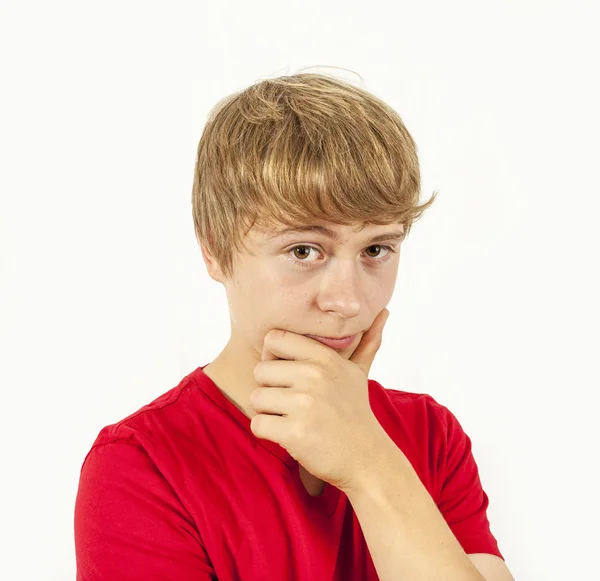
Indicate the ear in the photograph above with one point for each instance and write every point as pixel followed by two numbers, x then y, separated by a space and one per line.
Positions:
pixel 213 268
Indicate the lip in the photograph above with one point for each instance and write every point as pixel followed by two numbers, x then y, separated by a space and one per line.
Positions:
pixel 341 343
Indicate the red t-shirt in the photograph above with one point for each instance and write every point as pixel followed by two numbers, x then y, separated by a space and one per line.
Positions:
pixel 183 490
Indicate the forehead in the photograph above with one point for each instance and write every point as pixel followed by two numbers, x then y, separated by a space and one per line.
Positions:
pixel 335 232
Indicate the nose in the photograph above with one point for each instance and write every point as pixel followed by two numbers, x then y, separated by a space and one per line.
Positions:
pixel 340 289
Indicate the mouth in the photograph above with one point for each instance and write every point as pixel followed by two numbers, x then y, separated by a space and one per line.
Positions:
pixel 335 342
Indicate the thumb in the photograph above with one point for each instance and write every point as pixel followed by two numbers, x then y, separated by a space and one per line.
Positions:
pixel 370 342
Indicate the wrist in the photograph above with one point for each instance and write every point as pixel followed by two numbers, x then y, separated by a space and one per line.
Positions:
pixel 379 451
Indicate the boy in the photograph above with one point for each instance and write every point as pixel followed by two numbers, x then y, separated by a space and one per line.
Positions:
pixel 280 459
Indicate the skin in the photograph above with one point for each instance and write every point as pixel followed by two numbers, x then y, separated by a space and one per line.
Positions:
pixel 340 292
pixel 315 404
pixel 321 392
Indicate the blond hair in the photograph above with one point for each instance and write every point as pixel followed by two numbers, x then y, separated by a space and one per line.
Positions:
pixel 295 149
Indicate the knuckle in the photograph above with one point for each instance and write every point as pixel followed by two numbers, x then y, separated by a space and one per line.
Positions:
pixel 304 400
pixel 299 432
pixel 318 372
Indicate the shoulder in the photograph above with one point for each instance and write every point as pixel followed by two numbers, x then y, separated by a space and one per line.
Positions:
pixel 440 451
pixel 427 432
pixel 419 411
pixel 130 513
pixel 141 451
pixel 153 422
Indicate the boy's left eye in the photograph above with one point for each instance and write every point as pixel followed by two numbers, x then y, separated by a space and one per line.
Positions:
pixel 302 262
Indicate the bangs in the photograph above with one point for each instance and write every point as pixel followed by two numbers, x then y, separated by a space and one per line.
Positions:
pixel 295 150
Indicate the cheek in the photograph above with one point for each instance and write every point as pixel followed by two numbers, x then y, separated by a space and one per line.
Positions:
pixel 385 290
pixel 284 285
pixel 385 284
pixel 264 296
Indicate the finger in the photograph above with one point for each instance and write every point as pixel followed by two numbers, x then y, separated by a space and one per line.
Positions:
pixel 370 343
pixel 280 373
pixel 271 400
pixel 281 344
pixel 268 427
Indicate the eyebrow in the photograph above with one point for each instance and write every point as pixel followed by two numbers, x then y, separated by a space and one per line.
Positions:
pixel 396 234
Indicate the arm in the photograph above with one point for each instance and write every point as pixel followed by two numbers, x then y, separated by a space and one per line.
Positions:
pixel 407 536
pixel 130 524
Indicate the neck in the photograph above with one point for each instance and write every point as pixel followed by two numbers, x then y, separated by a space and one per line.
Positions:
pixel 233 373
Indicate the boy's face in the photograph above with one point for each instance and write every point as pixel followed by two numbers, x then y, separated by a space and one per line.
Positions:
pixel 308 283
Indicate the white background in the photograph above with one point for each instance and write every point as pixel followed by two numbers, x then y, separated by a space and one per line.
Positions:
pixel 106 304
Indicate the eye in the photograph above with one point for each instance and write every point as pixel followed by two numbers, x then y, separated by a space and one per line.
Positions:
pixel 299 258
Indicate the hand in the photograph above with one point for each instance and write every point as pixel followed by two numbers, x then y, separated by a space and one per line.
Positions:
pixel 316 403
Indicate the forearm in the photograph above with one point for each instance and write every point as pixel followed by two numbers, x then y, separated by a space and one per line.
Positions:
pixel 407 535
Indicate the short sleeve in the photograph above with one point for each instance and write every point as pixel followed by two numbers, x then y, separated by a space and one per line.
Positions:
pixel 462 500
pixel 130 524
